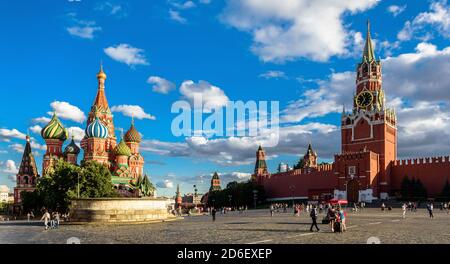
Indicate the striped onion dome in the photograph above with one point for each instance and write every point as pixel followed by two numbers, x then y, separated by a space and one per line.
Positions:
pixel 132 135
pixel 122 149
pixel 54 130
pixel 96 129
pixel 72 148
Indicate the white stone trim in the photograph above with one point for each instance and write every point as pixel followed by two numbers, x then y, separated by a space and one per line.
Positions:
pixel 287 198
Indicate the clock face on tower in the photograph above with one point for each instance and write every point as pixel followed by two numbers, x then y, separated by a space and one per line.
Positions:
pixel 364 99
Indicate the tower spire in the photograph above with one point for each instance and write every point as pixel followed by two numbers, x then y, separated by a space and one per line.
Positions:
pixel 369 54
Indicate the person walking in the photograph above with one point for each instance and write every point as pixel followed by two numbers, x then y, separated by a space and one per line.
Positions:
pixel 343 217
pixel 430 210
pixel 28 217
pixel 404 210
pixel 46 218
pixel 213 213
pixel 56 218
pixel 313 216
pixel 271 210
pixel 331 217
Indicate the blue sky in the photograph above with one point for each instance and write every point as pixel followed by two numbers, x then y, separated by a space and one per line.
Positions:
pixel 300 53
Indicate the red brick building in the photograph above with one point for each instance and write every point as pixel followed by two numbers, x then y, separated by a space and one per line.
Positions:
pixel 367 168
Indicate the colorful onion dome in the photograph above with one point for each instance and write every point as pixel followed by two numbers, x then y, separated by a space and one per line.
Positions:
pixel 72 148
pixel 54 130
pixel 132 134
pixel 96 129
pixel 122 149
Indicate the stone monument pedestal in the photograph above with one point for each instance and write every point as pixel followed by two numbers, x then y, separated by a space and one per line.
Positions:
pixel 118 210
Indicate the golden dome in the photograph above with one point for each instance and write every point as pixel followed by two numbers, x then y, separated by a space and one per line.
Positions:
pixel 101 74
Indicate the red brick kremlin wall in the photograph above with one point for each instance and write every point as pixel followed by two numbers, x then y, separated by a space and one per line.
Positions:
pixel 432 172
pixel 321 180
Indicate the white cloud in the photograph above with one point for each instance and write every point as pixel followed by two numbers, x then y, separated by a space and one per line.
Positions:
pixel 35 145
pixel 167 184
pixel 132 111
pixel 41 120
pixel 211 96
pixel 437 17
pixel 19 148
pixel 175 16
pixel 67 111
pixel 328 98
pixel 76 132
pixel 82 28
pixel 396 10
pixel 234 151
pixel 185 5
pixel 7 134
pixel 36 129
pixel 127 54
pixel 86 32
pixel 227 177
pixel 273 74
pixel 422 75
pixel 160 85
pixel 10 167
pixel 113 9
pixel 287 30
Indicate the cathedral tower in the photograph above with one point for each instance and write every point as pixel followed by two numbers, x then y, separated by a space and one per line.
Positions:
pixel 71 152
pixel 28 175
pixel 96 142
pixel 100 109
pixel 136 161
pixel 54 135
pixel 178 199
pixel 215 183
pixel 310 158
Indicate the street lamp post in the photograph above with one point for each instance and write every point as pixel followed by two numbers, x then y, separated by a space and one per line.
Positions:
pixel 195 194
pixel 255 197
pixel 78 185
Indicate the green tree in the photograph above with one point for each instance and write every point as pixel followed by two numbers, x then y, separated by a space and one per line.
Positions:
pixel 241 195
pixel 56 189
pixel 300 164
pixel 95 181
pixel 446 190
pixel 405 188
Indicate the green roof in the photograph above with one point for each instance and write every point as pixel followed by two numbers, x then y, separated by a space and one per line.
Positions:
pixel 369 54
pixel 120 180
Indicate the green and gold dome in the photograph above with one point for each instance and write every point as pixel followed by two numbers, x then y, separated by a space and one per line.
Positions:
pixel 72 148
pixel 132 134
pixel 122 149
pixel 54 130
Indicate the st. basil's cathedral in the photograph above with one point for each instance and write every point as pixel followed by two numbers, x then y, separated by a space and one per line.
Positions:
pixel 99 144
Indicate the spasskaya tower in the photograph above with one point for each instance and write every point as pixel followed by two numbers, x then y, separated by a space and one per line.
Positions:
pixel 371 126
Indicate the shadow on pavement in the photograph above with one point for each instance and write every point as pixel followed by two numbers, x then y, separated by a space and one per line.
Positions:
pixel 268 230
pixel 21 223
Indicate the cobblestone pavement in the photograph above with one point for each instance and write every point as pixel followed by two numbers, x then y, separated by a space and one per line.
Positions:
pixel 254 226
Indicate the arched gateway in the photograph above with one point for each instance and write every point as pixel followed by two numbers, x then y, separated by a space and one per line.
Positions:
pixel 353 191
